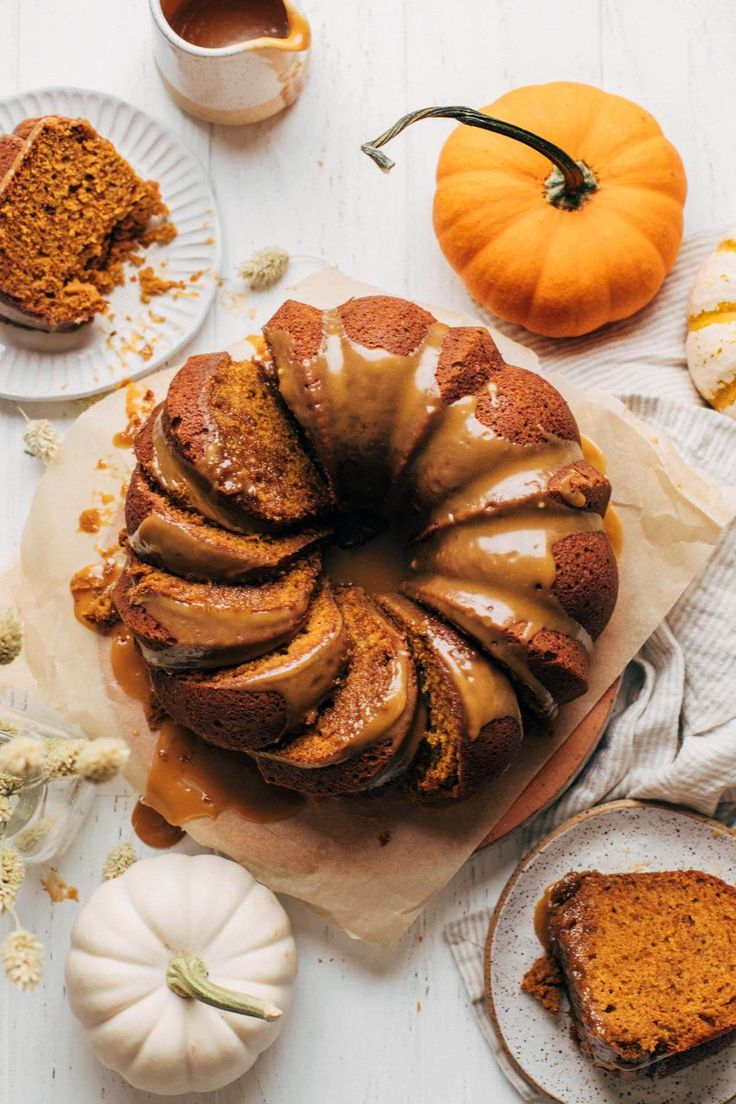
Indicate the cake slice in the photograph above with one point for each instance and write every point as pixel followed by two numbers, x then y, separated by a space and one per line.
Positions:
pixel 182 624
pixel 185 543
pixel 72 210
pixel 228 439
pixel 365 734
pixel 254 704
pixel 649 963
pixel 473 726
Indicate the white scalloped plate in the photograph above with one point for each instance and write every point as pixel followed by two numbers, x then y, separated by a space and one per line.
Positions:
pixel 619 836
pixel 36 366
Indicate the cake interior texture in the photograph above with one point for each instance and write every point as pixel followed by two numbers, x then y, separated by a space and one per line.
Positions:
pixel 72 212
pixel 649 962
pixel 363 556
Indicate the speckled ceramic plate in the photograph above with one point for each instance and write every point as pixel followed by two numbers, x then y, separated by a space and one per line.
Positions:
pixel 133 338
pixel 620 836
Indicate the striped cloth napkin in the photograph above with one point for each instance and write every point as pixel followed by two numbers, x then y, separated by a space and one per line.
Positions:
pixel 672 735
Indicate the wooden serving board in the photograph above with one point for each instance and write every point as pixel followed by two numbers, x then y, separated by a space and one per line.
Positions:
pixel 559 771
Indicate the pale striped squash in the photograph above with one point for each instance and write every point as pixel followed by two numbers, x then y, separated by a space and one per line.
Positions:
pixel 711 328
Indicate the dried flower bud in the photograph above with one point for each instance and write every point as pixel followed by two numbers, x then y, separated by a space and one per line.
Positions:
pixel 41 439
pixel 12 873
pixel 6 809
pixel 31 838
pixel 118 861
pixel 21 755
pixel 9 783
pixel 265 268
pixel 11 637
pixel 22 956
pixel 101 759
pixel 60 756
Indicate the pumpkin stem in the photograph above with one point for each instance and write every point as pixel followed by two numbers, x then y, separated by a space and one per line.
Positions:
pixel 568 186
pixel 187 976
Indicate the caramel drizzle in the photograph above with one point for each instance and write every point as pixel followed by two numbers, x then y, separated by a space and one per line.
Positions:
pixel 364 410
pixel 485 693
pixel 195 488
pixel 184 550
pixel 444 486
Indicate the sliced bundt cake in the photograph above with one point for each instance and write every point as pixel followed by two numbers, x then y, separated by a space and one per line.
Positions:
pixel 227 431
pixel 649 962
pixel 183 624
pixel 254 704
pixel 185 543
pixel 390 423
pixel 473 727
pixel 71 211
pixel 359 738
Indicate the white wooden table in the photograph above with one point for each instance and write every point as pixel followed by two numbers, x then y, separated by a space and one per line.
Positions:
pixel 368 1025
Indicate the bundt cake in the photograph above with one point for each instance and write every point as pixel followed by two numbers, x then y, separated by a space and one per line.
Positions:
pixel 72 210
pixel 649 963
pixel 368 420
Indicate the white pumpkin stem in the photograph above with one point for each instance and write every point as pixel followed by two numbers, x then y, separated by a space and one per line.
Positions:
pixel 187 976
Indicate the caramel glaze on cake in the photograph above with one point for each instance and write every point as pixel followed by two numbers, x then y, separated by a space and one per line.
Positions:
pixel 364 735
pixel 649 962
pixel 473 726
pixel 72 211
pixel 369 416
pixel 253 705
pixel 183 624
pixel 164 534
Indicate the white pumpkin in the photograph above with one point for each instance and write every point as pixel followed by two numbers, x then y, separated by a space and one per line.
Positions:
pixel 711 325
pixel 180 970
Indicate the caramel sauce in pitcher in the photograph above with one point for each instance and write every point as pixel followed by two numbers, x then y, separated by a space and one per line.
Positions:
pixel 213 24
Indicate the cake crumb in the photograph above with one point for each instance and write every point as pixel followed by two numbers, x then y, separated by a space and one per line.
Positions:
pixel 544 982
pixel 152 285
pixel 57 888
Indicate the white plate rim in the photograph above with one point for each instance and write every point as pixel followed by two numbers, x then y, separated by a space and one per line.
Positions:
pixel 520 870
pixel 157 362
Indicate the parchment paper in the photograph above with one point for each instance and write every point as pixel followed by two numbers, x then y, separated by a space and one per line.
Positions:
pixel 331 854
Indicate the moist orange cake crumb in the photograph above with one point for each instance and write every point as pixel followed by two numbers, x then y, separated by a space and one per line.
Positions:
pixel 72 212
pixel 544 981
pixel 649 962
pixel 152 285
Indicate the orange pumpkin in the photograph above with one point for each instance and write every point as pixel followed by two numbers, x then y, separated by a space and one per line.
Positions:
pixel 575 223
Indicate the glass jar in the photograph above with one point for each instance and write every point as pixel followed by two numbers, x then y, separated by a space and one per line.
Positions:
pixel 46 812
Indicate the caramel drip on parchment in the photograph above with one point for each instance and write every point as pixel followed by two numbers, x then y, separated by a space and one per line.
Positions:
pixel 189 778
pixel 139 403
pixel 91 588
pixel 152 829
